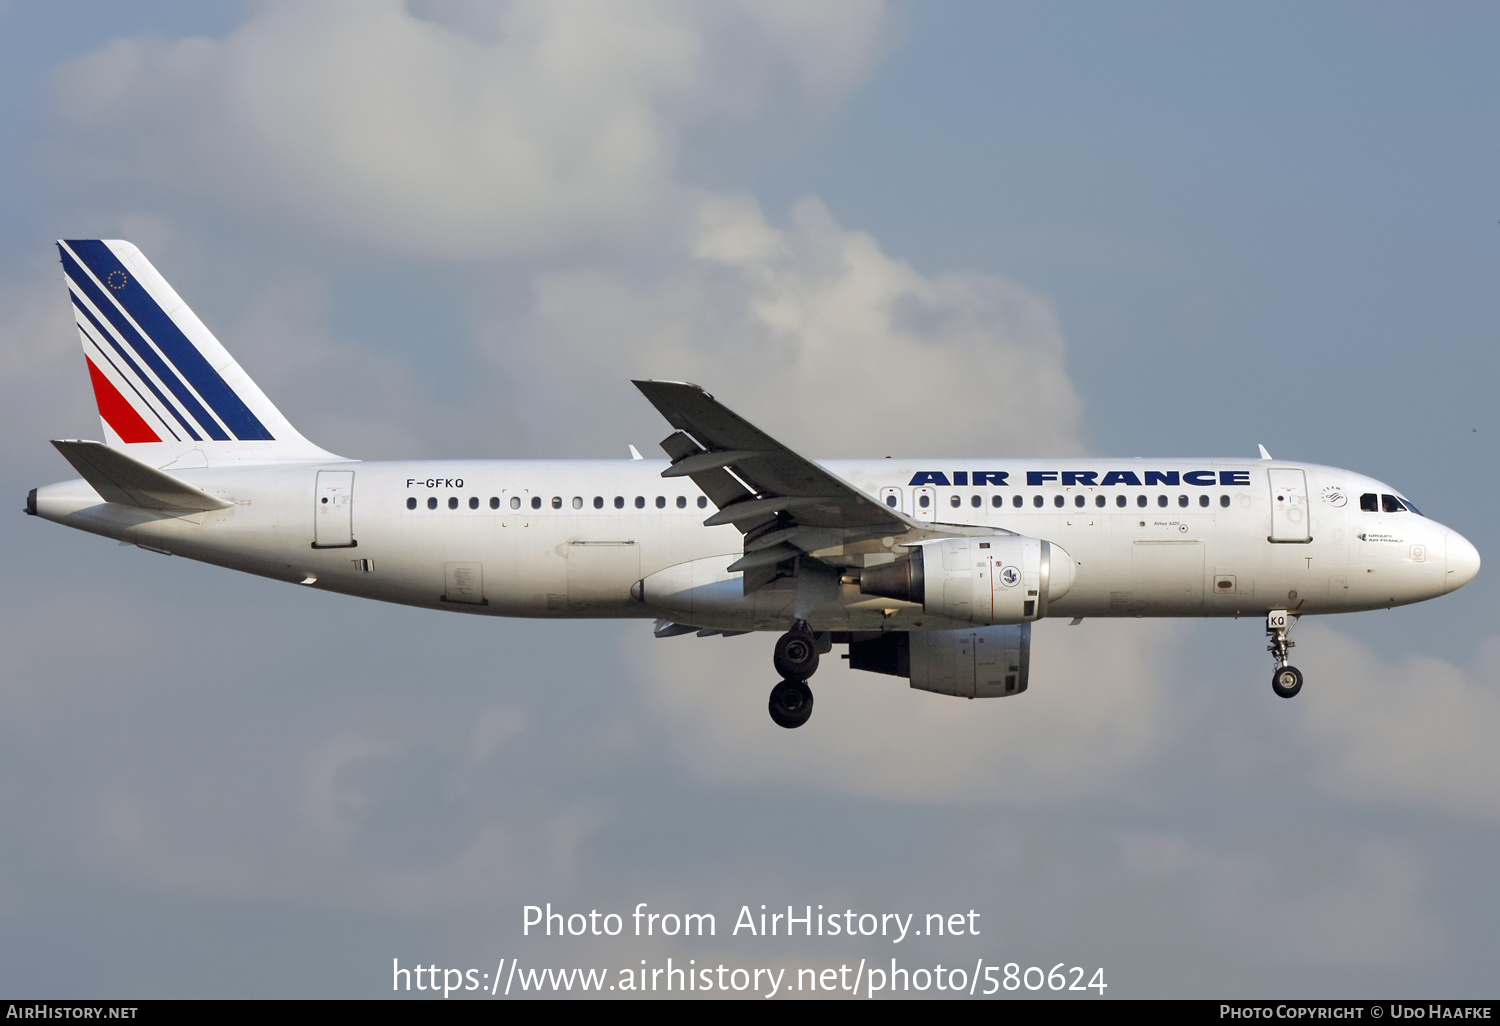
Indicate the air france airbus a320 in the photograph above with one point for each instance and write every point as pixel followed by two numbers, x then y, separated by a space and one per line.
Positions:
pixel 931 569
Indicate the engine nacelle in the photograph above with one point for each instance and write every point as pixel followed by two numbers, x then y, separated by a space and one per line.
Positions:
pixel 983 662
pixel 1003 579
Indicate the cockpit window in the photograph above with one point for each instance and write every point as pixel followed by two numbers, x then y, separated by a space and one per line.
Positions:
pixel 1407 503
pixel 1369 502
pixel 1391 504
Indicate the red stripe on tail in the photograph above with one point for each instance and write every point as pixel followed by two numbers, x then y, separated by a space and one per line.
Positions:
pixel 117 412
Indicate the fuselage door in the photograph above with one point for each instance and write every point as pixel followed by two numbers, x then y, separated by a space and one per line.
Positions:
pixel 892 497
pixel 925 502
pixel 333 516
pixel 1289 519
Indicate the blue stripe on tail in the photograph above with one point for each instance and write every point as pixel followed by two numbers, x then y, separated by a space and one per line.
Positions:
pixel 143 349
pixel 176 346
pixel 104 334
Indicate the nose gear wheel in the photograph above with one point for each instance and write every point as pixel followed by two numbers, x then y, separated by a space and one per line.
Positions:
pixel 1287 680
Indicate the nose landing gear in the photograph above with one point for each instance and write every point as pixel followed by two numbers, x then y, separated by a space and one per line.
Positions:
pixel 1287 680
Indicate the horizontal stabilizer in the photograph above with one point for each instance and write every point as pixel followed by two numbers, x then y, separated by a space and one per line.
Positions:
pixel 124 479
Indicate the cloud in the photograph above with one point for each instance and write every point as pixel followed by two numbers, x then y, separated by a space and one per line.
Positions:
pixel 1420 732
pixel 450 129
pixel 44 390
pixel 343 396
pixel 1369 912
pixel 812 331
pixel 376 823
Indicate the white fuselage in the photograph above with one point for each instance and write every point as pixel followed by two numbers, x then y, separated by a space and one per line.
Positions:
pixel 571 538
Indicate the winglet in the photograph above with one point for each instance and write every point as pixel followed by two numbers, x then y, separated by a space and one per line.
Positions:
pixel 635 453
pixel 1263 454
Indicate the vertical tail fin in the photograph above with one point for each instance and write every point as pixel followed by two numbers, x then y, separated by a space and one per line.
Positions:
pixel 168 392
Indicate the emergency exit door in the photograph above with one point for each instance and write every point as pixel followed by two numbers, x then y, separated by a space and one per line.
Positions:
pixel 1289 512
pixel 333 510
pixel 925 502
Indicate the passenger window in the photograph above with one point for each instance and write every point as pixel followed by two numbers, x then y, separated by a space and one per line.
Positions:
pixel 703 502
pixel 1099 501
pixel 1224 501
pixel 976 501
pixel 411 503
pixel 1037 501
pixel 598 502
pixel 557 502
pixel 1079 500
pixel 925 501
pixel 473 502
pixel 453 502
pixel 1161 500
pixel 1369 502
pixel 1057 500
pixel 1017 501
pixel 955 501
pixel 640 502
pixel 536 502
pixel 1203 500
pixel 1182 500
pixel 619 502
pixel 682 502
pixel 432 502
pixel 1391 504
pixel 578 502
pixel 1120 501
pixel 1140 500
pixel 515 502
pixel 494 502
pixel 890 500
pixel 997 501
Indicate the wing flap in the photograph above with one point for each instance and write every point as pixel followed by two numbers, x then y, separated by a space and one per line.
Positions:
pixel 726 440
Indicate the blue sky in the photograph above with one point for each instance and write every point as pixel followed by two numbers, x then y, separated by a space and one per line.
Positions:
pixel 457 229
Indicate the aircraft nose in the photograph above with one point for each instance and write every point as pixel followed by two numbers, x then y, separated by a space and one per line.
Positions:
pixel 1463 561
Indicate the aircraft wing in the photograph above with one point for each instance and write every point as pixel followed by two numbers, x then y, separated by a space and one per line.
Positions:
pixel 784 503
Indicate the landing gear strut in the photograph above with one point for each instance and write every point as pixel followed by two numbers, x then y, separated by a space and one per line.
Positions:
pixel 791 703
pixel 1287 680
pixel 797 652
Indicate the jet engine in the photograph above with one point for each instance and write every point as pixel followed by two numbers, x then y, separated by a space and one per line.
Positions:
pixel 1003 579
pixel 979 662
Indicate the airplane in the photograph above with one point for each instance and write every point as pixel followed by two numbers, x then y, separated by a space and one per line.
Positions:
pixel 932 569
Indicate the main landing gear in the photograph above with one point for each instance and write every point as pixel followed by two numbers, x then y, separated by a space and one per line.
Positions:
pixel 797 653
pixel 1287 680
pixel 791 703
pixel 796 660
